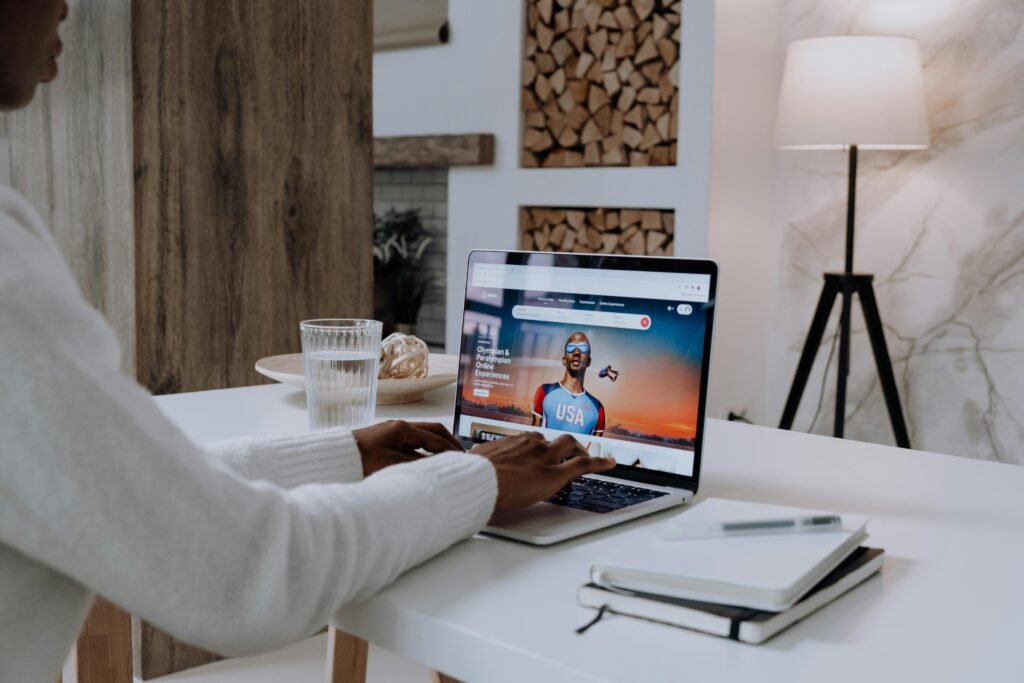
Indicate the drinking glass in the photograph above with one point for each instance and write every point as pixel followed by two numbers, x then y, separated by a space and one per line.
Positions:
pixel 341 359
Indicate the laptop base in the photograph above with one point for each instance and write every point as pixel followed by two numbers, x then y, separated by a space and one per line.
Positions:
pixel 546 523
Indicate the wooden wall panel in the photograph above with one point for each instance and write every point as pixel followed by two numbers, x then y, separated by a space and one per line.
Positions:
pixel 253 185
pixel 253 163
pixel 71 157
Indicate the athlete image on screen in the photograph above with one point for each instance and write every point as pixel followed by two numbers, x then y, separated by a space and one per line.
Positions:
pixel 566 405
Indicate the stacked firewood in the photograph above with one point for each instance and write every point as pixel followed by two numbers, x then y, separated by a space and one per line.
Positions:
pixel 640 232
pixel 600 83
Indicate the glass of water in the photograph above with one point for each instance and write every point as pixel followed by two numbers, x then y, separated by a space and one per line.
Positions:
pixel 341 360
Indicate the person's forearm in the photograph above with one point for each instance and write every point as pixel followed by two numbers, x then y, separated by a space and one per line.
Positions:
pixel 330 456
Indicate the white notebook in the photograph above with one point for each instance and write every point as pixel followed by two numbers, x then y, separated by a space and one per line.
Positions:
pixel 768 572
pixel 738 623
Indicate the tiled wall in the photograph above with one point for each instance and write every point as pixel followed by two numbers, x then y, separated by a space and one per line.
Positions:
pixel 426 190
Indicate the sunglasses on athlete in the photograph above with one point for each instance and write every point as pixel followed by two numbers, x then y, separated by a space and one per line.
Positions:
pixel 582 347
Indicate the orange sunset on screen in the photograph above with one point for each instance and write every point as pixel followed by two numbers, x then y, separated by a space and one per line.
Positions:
pixel 654 395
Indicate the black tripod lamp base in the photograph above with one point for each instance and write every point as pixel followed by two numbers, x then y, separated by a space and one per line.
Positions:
pixel 847 284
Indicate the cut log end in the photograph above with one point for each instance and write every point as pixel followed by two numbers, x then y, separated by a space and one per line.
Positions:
pixel 600 83
pixel 597 230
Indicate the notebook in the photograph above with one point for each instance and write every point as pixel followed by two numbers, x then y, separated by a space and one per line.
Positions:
pixel 738 623
pixel 767 572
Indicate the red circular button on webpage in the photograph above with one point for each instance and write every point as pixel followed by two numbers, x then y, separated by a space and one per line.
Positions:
pixel 645 322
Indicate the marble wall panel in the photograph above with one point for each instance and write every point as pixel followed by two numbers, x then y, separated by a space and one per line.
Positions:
pixel 941 229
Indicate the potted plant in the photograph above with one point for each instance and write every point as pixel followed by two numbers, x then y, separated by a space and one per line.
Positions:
pixel 400 280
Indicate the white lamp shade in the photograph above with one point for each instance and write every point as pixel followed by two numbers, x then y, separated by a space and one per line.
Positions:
pixel 852 90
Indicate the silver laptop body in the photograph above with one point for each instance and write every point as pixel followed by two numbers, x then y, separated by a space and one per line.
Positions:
pixel 614 350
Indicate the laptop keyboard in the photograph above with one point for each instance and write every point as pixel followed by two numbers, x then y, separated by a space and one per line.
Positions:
pixel 599 495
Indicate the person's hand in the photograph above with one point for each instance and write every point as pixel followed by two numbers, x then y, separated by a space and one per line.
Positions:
pixel 530 469
pixel 395 441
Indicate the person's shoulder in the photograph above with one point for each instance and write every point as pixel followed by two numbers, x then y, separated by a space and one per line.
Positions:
pixel 548 388
pixel 17 212
pixel 22 232
pixel 596 401
pixel 29 258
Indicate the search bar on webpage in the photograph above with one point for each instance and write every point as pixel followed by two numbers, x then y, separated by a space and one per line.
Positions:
pixel 692 287
pixel 571 316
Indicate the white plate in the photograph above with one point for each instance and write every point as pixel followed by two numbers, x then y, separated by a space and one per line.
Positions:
pixel 443 369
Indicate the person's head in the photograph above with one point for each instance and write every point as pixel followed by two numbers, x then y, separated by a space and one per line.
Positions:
pixel 29 45
pixel 577 353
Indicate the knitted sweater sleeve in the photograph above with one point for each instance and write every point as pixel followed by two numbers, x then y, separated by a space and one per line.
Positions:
pixel 323 457
pixel 100 486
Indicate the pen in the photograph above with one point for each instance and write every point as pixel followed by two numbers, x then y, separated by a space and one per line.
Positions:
pixel 681 531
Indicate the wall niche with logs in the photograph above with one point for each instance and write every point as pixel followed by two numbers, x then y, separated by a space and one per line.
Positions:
pixel 597 230
pixel 600 83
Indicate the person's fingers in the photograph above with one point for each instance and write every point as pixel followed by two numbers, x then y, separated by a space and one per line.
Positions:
pixel 585 465
pixel 442 431
pixel 537 436
pixel 564 447
pixel 416 438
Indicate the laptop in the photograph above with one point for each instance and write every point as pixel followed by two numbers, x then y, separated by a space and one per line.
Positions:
pixel 611 349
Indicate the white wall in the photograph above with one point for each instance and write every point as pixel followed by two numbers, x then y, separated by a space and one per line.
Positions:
pixel 5 161
pixel 472 85
pixel 743 235
pixel 5 152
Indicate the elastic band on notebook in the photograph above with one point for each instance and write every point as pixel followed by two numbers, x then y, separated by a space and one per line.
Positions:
pixel 734 629
pixel 586 627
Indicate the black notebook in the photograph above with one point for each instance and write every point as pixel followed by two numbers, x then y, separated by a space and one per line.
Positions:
pixel 739 623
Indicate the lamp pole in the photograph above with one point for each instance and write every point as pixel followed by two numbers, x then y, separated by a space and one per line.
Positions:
pixel 847 292
pixel 851 203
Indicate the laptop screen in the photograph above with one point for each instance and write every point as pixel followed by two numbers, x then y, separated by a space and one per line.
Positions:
pixel 611 349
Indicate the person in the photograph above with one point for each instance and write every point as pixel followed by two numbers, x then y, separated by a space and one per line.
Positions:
pixel 238 547
pixel 566 405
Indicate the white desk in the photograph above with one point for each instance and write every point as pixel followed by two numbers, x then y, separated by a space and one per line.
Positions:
pixel 949 605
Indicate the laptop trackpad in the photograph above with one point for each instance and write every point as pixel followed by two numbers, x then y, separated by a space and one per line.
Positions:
pixel 541 519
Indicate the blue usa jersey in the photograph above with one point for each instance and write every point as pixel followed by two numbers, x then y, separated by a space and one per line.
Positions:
pixel 561 409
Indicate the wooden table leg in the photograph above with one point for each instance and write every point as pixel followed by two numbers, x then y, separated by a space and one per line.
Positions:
pixel 438 677
pixel 346 657
pixel 104 649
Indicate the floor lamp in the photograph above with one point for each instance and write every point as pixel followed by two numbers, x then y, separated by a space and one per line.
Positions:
pixel 851 93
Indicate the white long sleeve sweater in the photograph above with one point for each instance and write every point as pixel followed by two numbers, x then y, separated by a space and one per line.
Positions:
pixel 237 548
